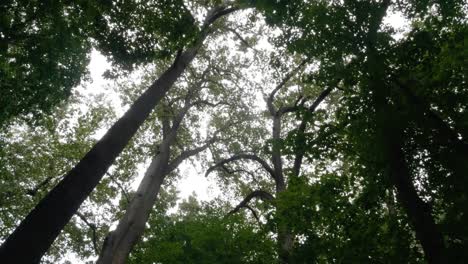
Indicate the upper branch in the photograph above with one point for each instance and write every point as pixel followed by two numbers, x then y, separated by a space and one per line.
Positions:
pixel 124 192
pixel 188 153
pixel 283 82
pixel 302 127
pixel 92 226
pixel 265 196
pixel 244 156
pixel 218 12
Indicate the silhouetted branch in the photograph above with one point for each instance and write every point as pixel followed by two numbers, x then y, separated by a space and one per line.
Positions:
pixel 92 226
pixel 124 192
pixel 302 127
pixel 265 196
pixel 253 157
pixel 283 82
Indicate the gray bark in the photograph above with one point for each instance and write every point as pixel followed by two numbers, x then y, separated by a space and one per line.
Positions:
pixel 119 242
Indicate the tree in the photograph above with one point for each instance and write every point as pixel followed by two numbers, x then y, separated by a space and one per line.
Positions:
pixel 358 155
pixel 272 160
pixel 38 231
pixel 46 45
pixel 54 145
pixel 353 32
pixel 179 113
pixel 199 233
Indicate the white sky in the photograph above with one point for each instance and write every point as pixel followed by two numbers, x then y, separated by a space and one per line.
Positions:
pixel 193 179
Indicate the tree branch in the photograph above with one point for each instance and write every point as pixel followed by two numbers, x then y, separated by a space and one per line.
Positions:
pixel 124 192
pixel 265 196
pixel 33 192
pixel 188 153
pixel 218 12
pixel 253 157
pixel 240 38
pixel 92 226
pixel 229 171
pixel 254 213
pixel 271 97
pixel 302 127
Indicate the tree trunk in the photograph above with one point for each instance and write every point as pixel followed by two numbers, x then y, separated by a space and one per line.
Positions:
pixel 43 224
pixel 285 237
pixel 419 213
pixel 119 242
pixel 39 229
pixel 285 244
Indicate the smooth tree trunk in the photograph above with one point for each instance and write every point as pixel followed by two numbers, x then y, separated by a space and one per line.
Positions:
pixel 120 242
pixel 285 236
pixel 35 234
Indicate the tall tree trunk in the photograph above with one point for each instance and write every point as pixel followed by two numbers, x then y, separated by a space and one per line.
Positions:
pixel 389 131
pixel 43 224
pixel 39 229
pixel 119 242
pixel 419 213
pixel 285 237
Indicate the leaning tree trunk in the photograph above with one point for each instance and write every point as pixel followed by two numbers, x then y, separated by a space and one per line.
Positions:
pixel 33 237
pixel 39 229
pixel 419 212
pixel 119 242
pixel 389 131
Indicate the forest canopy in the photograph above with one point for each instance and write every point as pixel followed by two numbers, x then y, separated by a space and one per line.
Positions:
pixel 329 131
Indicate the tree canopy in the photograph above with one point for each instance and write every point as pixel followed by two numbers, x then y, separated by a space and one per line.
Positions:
pixel 333 131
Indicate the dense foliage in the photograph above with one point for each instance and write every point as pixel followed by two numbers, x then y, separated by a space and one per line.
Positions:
pixel 357 152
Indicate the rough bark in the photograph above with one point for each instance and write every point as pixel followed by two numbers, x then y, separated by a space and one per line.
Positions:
pixel 43 224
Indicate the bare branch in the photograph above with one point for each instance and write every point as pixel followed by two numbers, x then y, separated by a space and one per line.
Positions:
pixel 188 153
pixel 298 104
pixel 283 82
pixel 253 157
pixel 302 127
pixel 124 192
pixel 218 12
pixel 229 171
pixel 320 98
pixel 265 196
pixel 254 213
pixel 33 192
pixel 92 226
pixel 240 38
